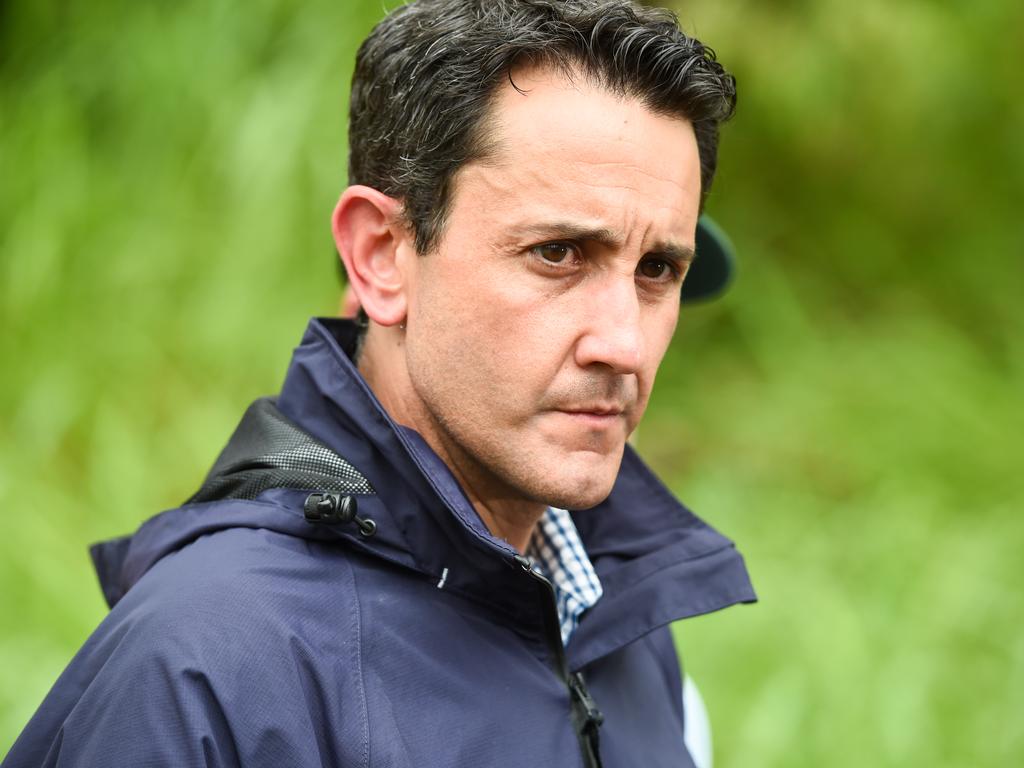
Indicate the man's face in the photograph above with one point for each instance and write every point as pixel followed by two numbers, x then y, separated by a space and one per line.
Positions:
pixel 537 325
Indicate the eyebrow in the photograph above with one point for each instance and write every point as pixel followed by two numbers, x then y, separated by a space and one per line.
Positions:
pixel 607 238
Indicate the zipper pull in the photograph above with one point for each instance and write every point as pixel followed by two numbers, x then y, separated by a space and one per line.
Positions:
pixel 591 714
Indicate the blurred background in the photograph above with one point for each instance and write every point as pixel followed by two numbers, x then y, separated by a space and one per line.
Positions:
pixel 851 413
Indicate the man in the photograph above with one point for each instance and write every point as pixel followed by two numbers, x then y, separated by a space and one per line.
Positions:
pixel 380 568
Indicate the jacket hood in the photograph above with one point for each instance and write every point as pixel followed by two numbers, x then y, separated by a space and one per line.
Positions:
pixel 327 433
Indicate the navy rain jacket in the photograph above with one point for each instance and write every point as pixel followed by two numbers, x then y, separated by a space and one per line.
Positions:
pixel 252 626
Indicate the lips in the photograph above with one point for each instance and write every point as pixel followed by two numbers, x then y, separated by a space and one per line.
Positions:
pixel 595 410
pixel 601 415
pixel 604 421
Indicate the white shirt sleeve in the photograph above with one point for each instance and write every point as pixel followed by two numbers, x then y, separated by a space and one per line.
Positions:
pixel 696 725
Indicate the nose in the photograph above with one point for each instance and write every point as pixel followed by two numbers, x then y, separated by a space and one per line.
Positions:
pixel 611 334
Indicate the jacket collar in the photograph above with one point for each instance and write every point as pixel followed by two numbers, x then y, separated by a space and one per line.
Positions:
pixel 657 561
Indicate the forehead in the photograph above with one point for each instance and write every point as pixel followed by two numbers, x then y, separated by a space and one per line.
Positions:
pixel 566 147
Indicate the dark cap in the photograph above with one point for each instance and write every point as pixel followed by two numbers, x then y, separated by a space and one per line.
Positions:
pixel 713 266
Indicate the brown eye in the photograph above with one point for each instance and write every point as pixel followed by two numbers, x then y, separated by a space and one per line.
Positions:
pixel 554 253
pixel 655 269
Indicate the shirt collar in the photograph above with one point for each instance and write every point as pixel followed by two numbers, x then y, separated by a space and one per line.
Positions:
pixel 559 555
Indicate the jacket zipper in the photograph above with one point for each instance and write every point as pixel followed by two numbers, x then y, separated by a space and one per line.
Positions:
pixel 586 717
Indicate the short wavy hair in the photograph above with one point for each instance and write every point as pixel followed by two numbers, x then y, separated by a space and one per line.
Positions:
pixel 426 76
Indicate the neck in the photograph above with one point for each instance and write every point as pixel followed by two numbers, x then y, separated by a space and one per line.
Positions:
pixel 507 515
pixel 513 523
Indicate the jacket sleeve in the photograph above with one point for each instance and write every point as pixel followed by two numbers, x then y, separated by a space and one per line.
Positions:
pixel 190 681
pixel 136 700
pixel 221 656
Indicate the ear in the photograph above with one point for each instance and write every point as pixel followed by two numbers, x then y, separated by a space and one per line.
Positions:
pixel 373 242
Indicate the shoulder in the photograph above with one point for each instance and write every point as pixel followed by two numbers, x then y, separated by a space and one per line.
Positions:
pixel 242 591
pixel 238 649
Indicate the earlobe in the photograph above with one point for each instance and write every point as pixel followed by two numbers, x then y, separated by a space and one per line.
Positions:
pixel 372 242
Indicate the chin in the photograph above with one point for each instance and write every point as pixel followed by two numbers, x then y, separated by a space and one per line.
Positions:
pixel 577 500
pixel 579 490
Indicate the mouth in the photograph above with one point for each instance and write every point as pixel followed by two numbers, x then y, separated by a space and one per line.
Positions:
pixel 597 415
pixel 596 410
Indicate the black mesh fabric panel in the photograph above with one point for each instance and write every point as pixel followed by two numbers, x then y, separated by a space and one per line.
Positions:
pixel 269 451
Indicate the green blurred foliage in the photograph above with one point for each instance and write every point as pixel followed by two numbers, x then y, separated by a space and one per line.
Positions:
pixel 850 412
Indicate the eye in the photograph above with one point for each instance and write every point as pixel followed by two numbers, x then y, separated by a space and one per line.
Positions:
pixel 556 253
pixel 657 268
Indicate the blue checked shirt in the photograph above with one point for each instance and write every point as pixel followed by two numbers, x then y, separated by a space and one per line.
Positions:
pixel 559 555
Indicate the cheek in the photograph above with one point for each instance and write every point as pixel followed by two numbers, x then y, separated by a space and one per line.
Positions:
pixel 463 359
pixel 503 331
pixel 659 332
pixel 661 328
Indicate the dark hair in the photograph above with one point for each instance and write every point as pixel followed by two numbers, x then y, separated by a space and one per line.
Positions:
pixel 426 75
